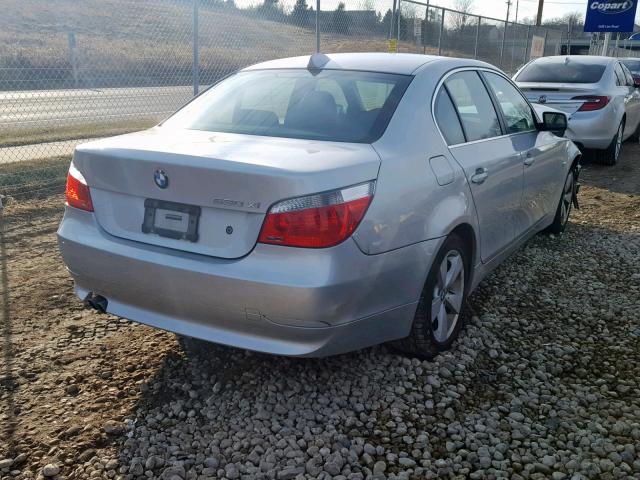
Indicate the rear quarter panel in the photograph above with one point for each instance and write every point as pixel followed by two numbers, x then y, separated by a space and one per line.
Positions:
pixel 410 206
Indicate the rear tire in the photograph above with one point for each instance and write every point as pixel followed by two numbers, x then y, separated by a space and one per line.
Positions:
pixel 442 307
pixel 610 155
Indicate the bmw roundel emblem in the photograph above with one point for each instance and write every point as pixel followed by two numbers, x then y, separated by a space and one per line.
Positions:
pixel 161 178
pixel 542 99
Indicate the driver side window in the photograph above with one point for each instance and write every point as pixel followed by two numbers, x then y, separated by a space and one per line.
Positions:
pixel 515 109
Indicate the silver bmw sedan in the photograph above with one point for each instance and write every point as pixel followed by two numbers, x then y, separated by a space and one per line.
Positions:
pixel 599 94
pixel 315 205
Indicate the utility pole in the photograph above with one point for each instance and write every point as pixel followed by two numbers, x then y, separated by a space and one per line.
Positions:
pixel 539 17
pixel 517 8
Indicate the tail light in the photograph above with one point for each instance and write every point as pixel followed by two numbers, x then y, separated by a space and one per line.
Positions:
pixel 592 102
pixel 77 192
pixel 317 221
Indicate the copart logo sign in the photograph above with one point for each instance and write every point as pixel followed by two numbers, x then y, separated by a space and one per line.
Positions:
pixel 611 7
pixel 610 16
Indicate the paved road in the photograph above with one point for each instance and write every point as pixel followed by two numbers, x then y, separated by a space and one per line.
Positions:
pixel 83 111
pixel 42 108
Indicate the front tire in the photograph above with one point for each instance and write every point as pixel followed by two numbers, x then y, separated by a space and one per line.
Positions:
pixel 563 211
pixel 441 309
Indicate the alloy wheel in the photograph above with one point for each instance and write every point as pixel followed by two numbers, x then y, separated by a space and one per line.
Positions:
pixel 448 295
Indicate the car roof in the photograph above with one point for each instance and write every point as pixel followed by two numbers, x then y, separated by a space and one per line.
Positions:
pixel 580 59
pixel 399 63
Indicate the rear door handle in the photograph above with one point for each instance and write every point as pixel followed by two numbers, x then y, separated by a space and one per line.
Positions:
pixel 480 176
pixel 529 158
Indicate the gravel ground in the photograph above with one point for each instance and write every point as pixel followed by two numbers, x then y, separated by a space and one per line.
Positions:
pixel 544 382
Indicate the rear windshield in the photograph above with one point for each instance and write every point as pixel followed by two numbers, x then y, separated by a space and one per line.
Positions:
pixel 633 65
pixel 561 71
pixel 335 105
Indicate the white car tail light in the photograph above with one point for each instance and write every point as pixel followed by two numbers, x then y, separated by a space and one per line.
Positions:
pixel 592 102
pixel 317 221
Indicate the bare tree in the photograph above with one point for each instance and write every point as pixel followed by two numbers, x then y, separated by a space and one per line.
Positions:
pixel 460 20
pixel 465 6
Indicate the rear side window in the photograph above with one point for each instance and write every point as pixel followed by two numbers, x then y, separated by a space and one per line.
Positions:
pixel 515 109
pixel 620 80
pixel 447 119
pixel 561 70
pixel 474 106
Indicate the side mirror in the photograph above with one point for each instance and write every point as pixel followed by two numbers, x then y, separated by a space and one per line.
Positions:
pixel 636 82
pixel 554 122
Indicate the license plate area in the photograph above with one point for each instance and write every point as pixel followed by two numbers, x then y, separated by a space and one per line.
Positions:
pixel 171 220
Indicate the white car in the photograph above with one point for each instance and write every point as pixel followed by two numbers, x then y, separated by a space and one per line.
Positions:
pixel 598 94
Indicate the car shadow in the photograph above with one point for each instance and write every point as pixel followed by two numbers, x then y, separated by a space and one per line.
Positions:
pixel 619 178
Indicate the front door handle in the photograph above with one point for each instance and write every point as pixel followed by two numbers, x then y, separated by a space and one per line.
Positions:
pixel 480 176
pixel 529 159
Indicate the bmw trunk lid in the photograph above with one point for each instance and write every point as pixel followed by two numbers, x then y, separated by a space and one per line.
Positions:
pixel 560 96
pixel 205 192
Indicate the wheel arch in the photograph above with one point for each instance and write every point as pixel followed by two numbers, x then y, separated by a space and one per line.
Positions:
pixel 468 235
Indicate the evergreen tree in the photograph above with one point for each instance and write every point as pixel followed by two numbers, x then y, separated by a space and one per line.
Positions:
pixel 300 15
pixel 340 20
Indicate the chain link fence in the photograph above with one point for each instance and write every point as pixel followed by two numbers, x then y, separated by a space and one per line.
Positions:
pixel 72 71
pixel 426 28
pixel 614 48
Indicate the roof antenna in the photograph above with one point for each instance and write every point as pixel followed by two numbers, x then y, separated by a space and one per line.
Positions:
pixel 316 62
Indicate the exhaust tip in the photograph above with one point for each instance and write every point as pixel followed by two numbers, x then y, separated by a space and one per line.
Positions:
pixel 97 302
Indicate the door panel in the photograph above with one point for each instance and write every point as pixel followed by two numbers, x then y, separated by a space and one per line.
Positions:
pixel 544 166
pixel 540 153
pixel 492 166
pixel 497 197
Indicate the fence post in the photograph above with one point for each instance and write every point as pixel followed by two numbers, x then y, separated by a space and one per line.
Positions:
pixel 425 34
pixel 73 59
pixel 546 37
pixel 605 45
pixel 399 11
pixel 475 50
pixel 513 45
pixel 504 39
pixel 526 45
pixel 442 11
pixel 196 51
pixel 317 26
pixel 392 20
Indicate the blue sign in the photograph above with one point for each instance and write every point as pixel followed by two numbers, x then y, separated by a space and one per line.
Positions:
pixel 607 16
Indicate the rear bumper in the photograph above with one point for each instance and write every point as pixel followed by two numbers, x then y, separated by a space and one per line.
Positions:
pixel 593 129
pixel 279 300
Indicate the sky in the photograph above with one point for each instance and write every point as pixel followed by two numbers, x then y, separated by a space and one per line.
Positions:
pixel 526 8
